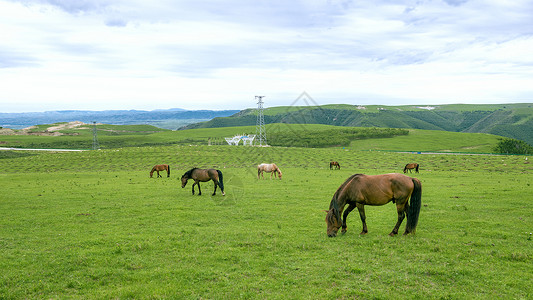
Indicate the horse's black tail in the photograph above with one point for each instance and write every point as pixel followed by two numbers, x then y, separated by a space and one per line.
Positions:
pixel 168 170
pixel 417 165
pixel 220 181
pixel 414 207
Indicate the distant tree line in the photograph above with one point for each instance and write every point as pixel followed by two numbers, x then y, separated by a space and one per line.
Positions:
pixel 330 138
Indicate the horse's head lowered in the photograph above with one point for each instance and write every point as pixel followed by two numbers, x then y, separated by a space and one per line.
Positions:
pixel 334 222
pixel 184 180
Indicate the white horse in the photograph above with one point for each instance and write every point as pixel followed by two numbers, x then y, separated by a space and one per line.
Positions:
pixel 269 168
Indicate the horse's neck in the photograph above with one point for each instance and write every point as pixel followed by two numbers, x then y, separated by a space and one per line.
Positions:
pixel 340 200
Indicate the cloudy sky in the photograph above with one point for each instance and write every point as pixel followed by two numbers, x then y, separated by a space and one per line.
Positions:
pixel 195 54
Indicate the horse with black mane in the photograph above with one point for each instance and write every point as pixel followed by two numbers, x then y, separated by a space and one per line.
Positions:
pixel 360 190
pixel 203 175
pixel 410 167
pixel 158 168
pixel 334 164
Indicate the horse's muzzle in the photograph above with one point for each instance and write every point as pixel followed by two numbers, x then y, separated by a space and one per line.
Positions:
pixel 332 234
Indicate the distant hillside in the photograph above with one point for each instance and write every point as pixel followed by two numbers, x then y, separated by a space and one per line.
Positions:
pixel 168 119
pixel 509 120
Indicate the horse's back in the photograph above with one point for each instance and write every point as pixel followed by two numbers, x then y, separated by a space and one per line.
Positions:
pixel 267 167
pixel 379 189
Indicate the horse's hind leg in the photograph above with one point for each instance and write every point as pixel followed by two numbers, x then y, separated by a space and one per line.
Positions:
pixel 345 215
pixel 215 191
pixel 401 215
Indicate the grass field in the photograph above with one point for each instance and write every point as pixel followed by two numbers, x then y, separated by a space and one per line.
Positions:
pixel 93 224
pixel 120 136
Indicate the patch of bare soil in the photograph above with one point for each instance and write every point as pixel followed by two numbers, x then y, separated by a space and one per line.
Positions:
pixel 50 131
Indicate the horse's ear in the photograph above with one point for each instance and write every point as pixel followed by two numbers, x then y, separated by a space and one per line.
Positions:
pixel 326 211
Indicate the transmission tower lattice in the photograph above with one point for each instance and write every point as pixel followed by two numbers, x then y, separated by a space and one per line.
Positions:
pixel 96 146
pixel 260 125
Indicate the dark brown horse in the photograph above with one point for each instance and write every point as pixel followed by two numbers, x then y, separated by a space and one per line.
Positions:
pixel 334 164
pixel 203 175
pixel 158 168
pixel 360 190
pixel 410 167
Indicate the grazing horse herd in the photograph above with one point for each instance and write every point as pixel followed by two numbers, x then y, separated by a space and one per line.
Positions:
pixel 356 192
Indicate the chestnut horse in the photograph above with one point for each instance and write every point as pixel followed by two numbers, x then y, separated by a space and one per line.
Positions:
pixel 269 168
pixel 203 175
pixel 360 190
pixel 158 168
pixel 334 164
pixel 410 167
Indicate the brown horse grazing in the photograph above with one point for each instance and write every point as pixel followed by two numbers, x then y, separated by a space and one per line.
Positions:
pixel 410 167
pixel 334 164
pixel 360 190
pixel 203 175
pixel 269 168
pixel 158 168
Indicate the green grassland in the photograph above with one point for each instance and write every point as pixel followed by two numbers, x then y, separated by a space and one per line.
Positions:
pixel 310 135
pixel 92 224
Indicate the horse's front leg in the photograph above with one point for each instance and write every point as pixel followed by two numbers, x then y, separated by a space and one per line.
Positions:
pixel 158 174
pixel 193 187
pixel 345 216
pixel 401 215
pixel 361 208
pixel 199 189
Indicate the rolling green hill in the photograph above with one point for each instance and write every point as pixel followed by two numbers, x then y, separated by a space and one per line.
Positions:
pixel 509 120
pixel 279 134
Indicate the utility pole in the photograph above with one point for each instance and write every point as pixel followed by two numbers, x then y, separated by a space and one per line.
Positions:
pixel 260 125
pixel 96 146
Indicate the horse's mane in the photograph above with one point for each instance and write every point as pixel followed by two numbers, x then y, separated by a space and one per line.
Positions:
pixel 188 173
pixel 334 203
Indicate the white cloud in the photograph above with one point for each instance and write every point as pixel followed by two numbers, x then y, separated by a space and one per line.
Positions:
pixel 59 54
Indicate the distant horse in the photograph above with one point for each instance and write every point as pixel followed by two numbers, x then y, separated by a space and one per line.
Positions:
pixel 334 164
pixel 360 190
pixel 158 168
pixel 410 167
pixel 203 175
pixel 269 168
